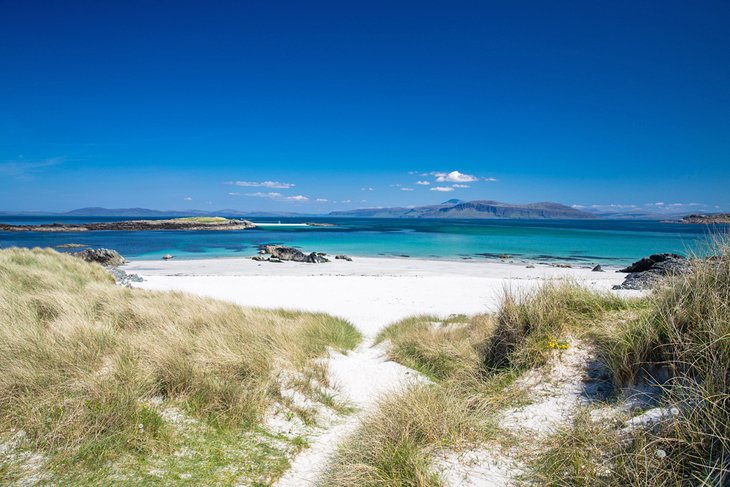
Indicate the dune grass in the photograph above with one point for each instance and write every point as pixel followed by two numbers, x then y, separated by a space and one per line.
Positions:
pixel 682 344
pixel 90 369
pixel 682 329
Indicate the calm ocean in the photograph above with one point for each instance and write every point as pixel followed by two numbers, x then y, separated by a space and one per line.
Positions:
pixel 581 242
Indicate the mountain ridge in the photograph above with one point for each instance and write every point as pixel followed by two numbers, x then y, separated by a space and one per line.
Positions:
pixel 478 209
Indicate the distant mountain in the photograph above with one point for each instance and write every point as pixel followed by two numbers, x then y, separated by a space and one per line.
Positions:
pixel 147 213
pixel 473 209
pixel 136 212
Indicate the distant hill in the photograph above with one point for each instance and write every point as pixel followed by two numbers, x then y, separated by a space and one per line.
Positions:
pixel 473 209
pixel 138 212
pixel 147 213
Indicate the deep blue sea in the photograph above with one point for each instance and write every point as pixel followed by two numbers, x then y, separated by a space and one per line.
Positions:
pixel 609 242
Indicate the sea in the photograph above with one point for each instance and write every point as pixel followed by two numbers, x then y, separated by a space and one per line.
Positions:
pixel 575 242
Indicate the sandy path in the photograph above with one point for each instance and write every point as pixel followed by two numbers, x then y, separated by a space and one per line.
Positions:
pixel 363 377
pixel 370 293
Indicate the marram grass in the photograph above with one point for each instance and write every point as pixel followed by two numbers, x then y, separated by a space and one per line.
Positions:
pixel 82 359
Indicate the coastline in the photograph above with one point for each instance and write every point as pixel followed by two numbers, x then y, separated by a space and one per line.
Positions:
pixel 369 292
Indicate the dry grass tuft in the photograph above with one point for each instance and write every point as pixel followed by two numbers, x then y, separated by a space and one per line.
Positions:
pixel 81 357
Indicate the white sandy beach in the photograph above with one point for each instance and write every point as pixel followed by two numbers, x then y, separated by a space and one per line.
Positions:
pixel 371 293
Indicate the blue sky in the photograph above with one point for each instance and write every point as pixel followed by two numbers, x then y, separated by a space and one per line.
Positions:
pixel 276 105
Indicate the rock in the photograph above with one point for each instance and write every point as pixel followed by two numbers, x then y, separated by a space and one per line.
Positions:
pixel 343 257
pixel 530 266
pixel 71 246
pixel 646 272
pixel 664 262
pixel 105 257
pixel 313 224
pixel 649 420
pixel 315 258
pixel 598 268
pixel 166 257
pixel 123 278
pixel 504 256
pixel 282 253
pixel 259 258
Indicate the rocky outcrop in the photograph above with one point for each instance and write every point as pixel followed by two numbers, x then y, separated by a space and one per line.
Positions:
pixel 283 253
pixel 105 257
pixel 343 257
pixel 137 225
pixel 646 272
pixel 712 219
pixel 598 268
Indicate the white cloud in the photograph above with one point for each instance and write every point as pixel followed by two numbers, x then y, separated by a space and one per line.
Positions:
pixel 188 198
pixel 321 200
pixel 454 177
pixel 442 188
pixel 234 194
pixel 261 184
pixel 490 180
pixel 265 195
pixel 423 183
pixel 346 201
pixel 367 189
pixel 460 186
pixel 278 196
pixel 406 189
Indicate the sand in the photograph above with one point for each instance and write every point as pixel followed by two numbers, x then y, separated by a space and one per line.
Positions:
pixel 369 292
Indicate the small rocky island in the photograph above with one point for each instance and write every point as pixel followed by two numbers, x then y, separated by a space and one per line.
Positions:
pixel 191 223
pixel 712 219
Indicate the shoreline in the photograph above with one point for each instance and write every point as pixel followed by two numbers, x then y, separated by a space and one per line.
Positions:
pixel 605 262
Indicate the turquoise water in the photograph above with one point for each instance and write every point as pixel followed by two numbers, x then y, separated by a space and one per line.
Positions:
pixel 582 242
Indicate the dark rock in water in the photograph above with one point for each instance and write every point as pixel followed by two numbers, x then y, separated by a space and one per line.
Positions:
pixel 343 257
pixel 644 273
pixel 598 268
pixel 105 257
pixel 404 255
pixel 166 257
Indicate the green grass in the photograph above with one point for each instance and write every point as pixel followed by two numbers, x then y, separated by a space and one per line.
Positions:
pixel 204 219
pixel 82 358
pixel 685 332
pixel 682 328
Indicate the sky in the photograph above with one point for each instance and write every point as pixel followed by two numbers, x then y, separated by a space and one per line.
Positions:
pixel 319 106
